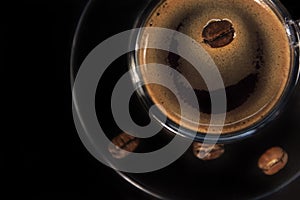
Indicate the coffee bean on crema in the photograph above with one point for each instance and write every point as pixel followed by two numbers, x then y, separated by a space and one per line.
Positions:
pixel 273 160
pixel 122 145
pixel 208 151
pixel 218 33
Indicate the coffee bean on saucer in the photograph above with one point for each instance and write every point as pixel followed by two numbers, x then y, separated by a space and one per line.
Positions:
pixel 218 33
pixel 122 145
pixel 273 160
pixel 208 151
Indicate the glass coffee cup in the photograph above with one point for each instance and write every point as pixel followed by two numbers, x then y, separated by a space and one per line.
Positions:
pixel 254 45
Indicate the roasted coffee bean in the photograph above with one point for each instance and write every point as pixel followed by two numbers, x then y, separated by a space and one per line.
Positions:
pixel 122 145
pixel 273 160
pixel 218 33
pixel 208 151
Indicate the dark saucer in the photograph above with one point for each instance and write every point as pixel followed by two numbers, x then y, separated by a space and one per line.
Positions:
pixel 233 176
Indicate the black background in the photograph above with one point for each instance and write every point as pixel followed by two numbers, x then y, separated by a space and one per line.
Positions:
pixel 52 162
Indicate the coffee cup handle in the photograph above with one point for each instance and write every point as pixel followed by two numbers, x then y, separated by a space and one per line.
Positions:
pixel 298 22
pixel 294 25
pixel 297 45
pixel 297 25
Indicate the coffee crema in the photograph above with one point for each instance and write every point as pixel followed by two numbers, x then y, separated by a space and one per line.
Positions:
pixel 254 64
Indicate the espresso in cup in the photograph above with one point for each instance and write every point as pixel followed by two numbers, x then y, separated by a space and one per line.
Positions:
pixel 247 41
